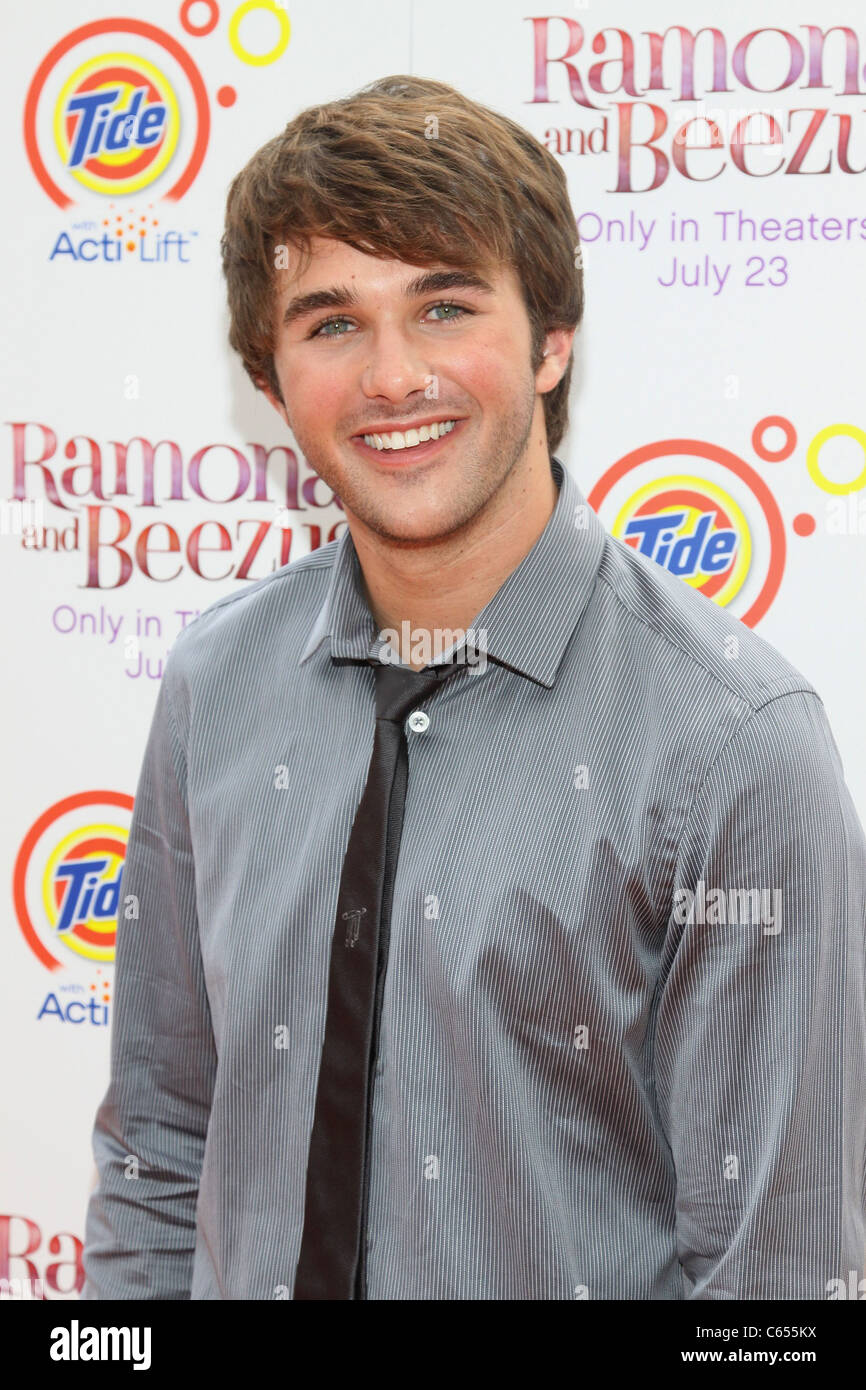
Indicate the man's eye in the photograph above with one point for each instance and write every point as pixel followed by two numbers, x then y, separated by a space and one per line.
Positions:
pixel 447 304
pixel 328 323
pixel 458 309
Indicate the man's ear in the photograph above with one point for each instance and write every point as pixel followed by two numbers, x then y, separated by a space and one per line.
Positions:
pixel 557 350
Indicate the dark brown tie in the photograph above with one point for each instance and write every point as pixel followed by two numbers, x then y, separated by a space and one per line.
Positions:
pixel 332 1262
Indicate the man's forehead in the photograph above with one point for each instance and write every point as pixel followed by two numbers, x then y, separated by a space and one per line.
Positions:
pixel 329 259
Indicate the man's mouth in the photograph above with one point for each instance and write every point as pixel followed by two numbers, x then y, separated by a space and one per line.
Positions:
pixel 403 446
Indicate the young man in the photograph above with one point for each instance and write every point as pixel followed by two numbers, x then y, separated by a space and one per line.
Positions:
pixel 519 962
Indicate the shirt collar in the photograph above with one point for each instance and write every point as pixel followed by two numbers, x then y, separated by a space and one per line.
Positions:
pixel 529 620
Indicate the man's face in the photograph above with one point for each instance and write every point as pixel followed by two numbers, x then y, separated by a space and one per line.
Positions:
pixel 374 353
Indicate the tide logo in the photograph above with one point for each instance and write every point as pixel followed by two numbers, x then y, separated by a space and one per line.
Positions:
pixel 694 529
pixel 116 123
pixel 66 884
pixel 704 515
pixel 115 108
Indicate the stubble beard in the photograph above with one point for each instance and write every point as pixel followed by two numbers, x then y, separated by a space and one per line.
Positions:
pixel 482 474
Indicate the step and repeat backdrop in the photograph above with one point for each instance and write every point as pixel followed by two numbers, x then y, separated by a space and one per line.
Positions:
pixel 715 156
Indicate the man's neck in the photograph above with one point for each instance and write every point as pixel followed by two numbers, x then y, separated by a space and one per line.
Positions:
pixel 443 587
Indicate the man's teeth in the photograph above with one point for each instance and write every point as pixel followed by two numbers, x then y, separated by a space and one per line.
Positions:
pixel 398 440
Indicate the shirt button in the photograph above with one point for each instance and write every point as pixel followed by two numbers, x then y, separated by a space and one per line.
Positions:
pixel 369 1240
pixel 380 1067
pixel 419 722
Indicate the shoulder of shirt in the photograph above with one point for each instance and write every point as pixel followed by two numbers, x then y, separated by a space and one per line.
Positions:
pixel 698 631
pixel 682 620
pixel 305 579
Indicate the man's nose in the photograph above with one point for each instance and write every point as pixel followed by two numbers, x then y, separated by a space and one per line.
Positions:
pixel 395 365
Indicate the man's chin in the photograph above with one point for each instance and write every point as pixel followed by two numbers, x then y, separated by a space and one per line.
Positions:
pixel 397 530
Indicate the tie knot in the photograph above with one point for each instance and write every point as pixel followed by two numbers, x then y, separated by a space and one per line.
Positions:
pixel 399 689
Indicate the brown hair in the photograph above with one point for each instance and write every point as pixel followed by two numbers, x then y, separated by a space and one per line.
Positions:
pixel 374 171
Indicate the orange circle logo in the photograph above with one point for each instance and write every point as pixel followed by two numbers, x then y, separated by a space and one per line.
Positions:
pixel 116 123
pixel 701 524
pixel 115 107
pixel 693 528
pixel 66 882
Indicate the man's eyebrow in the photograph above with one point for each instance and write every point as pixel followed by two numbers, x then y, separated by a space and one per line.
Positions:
pixel 343 297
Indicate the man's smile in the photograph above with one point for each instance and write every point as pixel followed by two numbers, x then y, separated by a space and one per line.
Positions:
pixel 396 448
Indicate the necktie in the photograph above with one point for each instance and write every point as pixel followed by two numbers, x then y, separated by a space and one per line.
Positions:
pixel 331 1264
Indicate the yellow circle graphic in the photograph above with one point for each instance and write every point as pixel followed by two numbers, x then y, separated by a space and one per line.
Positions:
pixel 815 473
pixel 259 60
pixel 118 158
pixel 682 482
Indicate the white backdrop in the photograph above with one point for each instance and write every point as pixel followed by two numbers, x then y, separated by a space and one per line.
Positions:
pixel 724 274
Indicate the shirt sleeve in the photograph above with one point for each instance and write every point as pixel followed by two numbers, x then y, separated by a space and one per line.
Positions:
pixel 149 1133
pixel 760 1051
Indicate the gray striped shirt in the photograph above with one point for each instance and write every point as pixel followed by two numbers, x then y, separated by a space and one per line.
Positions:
pixel 622 1051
